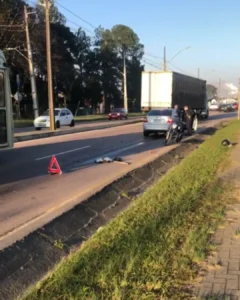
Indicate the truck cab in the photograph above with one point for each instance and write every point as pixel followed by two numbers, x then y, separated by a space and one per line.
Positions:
pixel 6 119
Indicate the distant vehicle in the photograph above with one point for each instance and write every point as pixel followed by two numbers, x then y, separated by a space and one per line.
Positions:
pixel 214 107
pixel 235 106
pixel 160 120
pixel 166 89
pixel 63 117
pixel 118 114
pixel 226 107
pixel 6 114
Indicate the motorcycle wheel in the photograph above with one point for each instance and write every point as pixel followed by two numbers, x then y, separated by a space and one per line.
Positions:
pixel 179 137
pixel 168 138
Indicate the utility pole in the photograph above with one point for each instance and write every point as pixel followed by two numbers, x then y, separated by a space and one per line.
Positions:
pixel 239 99
pixel 30 63
pixel 125 81
pixel 49 68
pixel 164 60
pixel 219 87
pixel 198 73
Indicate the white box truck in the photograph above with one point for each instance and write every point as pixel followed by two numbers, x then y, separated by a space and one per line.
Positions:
pixel 166 89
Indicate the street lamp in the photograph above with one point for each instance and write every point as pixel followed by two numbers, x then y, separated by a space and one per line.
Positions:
pixel 180 51
pixel 165 59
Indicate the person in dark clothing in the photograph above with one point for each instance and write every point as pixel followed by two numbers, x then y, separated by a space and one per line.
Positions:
pixel 188 118
pixel 179 112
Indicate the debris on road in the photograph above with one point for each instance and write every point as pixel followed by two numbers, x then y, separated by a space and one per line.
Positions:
pixel 110 160
pixel 226 143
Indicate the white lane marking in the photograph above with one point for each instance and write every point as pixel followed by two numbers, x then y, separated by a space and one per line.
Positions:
pixel 62 153
pixel 113 153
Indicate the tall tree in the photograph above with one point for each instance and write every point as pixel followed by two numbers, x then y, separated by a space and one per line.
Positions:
pixel 122 41
pixel 84 69
pixel 211 91
pixel 55 15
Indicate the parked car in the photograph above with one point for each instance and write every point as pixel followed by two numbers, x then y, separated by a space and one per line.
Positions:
pixel 63 117
pixel 118 114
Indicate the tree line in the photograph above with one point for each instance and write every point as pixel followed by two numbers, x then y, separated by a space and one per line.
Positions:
pixel 86 69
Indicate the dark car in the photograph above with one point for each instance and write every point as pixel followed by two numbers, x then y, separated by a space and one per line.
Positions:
pixel 226 107
pixel 118 114
pixel 235 106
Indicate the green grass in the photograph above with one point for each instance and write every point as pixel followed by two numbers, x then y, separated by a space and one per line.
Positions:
pixel 152 250
pixel 89 118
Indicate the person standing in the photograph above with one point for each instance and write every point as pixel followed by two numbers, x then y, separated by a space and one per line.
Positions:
pixel 188 118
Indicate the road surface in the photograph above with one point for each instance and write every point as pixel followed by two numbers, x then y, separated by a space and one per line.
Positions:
pixel 29 197
pixel 82 124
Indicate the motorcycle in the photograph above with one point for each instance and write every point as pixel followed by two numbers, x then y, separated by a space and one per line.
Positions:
pixel 175 132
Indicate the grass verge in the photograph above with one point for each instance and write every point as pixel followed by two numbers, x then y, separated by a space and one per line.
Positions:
pixel 152 249
pixel 89 118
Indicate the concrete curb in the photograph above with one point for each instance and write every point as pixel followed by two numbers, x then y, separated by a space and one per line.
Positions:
pixel 35 136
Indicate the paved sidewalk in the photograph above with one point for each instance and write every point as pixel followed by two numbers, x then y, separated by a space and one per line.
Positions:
pixel 223 278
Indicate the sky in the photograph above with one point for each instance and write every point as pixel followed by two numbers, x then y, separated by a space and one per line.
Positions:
pixel 209 27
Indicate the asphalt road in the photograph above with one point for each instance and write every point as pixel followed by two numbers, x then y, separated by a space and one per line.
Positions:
pixel 29 197
pixel 82 124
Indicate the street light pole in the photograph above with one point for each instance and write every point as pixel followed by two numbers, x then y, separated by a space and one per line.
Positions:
pixel 198 73
pixel 49 68
pixel 125 81
pixel 165 58
pixel 239 99
pixel 30 63
pixel 219 87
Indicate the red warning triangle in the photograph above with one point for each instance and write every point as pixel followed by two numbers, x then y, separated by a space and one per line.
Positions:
pixel 54 167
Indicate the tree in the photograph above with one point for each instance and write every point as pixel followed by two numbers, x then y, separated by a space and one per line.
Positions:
pixel 118 42
pixel 85 70
pixel 55 15
pixel 211 91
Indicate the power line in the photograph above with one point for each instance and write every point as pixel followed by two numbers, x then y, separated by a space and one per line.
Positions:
pixel 181 70
pixel 75 15
pixel 74 23
pixel 175 67
pixel 150 64
pixel 153 56
pixel 70 21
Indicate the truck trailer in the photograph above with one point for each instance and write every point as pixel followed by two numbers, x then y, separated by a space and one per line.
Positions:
pixel 166 89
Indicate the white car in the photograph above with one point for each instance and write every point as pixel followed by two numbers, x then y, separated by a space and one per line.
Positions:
pixel 63 117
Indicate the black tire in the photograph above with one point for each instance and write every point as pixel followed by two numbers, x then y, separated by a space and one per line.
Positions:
pixel 168 138
pixel 57 124
pixel 72 124
pixel 38 128
pixel 145 133
pixel 179 138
